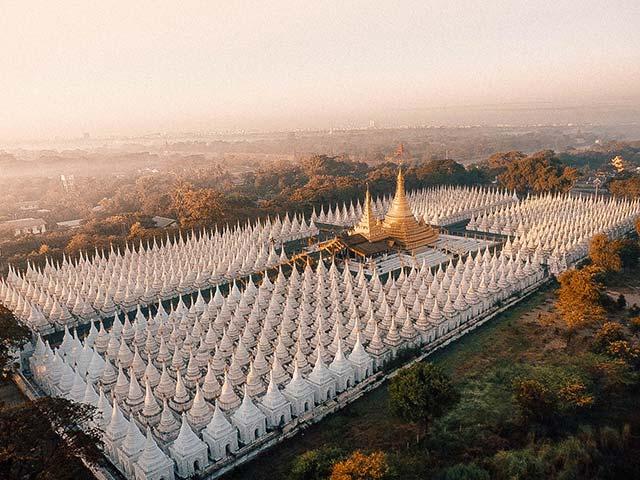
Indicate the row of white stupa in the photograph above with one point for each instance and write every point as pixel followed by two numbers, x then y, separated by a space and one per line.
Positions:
pixel 84 289
pixel 190 388
pixel 442 205
pixel 77 291
pixel 558 227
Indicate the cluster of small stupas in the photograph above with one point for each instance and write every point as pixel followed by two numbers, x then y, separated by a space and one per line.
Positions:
pixel 183 391
pixel 441 205
pixel 77 291
pixel 557 228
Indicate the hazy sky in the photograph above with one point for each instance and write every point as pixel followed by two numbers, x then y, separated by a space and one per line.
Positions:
pixel 134 66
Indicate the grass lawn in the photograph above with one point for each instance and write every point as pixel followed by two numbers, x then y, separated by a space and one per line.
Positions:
pixel 367 424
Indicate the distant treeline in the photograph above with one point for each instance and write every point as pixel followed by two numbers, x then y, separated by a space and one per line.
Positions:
pixel 118 208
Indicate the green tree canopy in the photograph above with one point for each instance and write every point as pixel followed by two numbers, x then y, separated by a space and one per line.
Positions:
pixel 422 393
pixel 536 401
pixel 540 172
pixel 464 471
pixel 315 464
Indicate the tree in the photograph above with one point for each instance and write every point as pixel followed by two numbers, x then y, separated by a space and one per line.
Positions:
pixel 574 396
pixel 137 232
pixel 464 471
pixel 539 172
pixel 13 335
pixel 359 466
pixel 626 351
pixel 610 377
pixel 443 172
pixel 197 207
pixel 323 165
pixel 628 251
pixel 499 161
pixel 36 449
pixel 272 181
pixel 535 400
pixel 552 393
pixel 123 200
pixel 154 193
pixel 422 393
pixel 579 297
pixel 323 188
pixel 315 464
pixel 518 464
pixel 80 242
pixel 604 253
pixel 609 332
pixel 628 187
pixel 504 159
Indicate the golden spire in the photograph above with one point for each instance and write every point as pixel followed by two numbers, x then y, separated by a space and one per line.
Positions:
pixel 401 224
pixel 369 226
pixel 400 210
pixel 367 214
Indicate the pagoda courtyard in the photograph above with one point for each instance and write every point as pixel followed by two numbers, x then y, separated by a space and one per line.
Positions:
pixel 204 350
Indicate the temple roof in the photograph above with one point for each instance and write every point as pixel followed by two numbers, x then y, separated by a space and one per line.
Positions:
pixel 187 441
pixel 247 413
pixel 298 387
pixel 273 399
pixel 134 442
pixel 399 227
pixel 152 457
pixel 219 426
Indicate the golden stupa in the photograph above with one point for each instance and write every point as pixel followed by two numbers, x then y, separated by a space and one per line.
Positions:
pixel 399 225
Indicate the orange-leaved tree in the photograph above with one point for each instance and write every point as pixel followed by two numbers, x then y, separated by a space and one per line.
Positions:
pixel 360 466
pixel 197 207
pixel 536 401
pixel 579 297
pixel 604 253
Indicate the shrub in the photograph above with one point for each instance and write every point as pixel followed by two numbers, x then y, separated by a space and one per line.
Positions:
pixel 518 464
pixel 464 471
pixel 609 332
pixel 623 350
pixel 315 464
pixel 575 396
pixel 535 400
pixel 359 466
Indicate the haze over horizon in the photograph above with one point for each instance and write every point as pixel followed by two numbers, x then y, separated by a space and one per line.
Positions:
pixel 122 68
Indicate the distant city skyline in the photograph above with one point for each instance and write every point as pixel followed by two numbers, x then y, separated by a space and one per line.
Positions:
pixel 130 68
